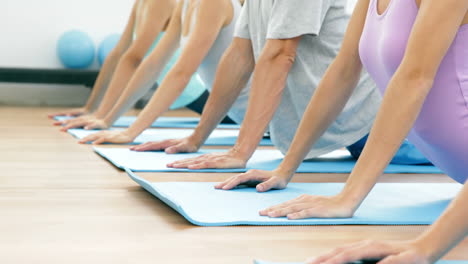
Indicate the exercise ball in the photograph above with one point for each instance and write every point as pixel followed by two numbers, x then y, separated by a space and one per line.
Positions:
pixel 76 49
pixel 195 88
pixel 106 46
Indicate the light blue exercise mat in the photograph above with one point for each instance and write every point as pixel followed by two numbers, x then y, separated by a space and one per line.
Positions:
pixel 219 137
pixel 388 203
pixel 162 122
pixel 438 262
pixel 335 162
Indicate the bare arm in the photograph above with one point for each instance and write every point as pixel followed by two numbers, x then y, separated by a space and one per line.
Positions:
pixel 106 72
pixel 155 19
pixel 329 99
pixel 233 74
pixel 110 64
pixel 449 230
pixel 437 23
pixel 326 104
pixel 209 24
pixel 148 72
pixel 268 83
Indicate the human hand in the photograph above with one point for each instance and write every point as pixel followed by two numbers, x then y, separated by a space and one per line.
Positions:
pixel 170 146
pixel 312 206
pixel 71 112
pixel 387 252
pixel 87 122
pixel 116 137
pixel 221 160
pixel 264 180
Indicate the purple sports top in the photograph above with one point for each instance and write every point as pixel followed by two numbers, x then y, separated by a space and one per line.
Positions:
pixel 441 129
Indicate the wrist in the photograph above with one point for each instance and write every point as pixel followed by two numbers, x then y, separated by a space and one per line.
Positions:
pixel 132 132
pixel 197 139
pixel 427 248
pixel 351 198
pixel 284 173
pixel 86 109
pixel 107 121
pixel 240 153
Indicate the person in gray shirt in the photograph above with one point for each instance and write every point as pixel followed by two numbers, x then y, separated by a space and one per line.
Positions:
pixel 287 45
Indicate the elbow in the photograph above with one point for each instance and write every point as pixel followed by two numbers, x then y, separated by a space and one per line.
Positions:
pixel 285 59
pixel 133 58
pixel 181 74
pixel 283 56
pixel 279 53
pixel 416 78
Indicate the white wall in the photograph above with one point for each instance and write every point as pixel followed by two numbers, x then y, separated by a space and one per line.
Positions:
pixel 30 28
pixel 29 31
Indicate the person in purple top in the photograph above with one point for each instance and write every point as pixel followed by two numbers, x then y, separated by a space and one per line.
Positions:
pixel 417 52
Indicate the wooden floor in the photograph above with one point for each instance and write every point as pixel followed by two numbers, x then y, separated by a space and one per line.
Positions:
pixel 61 203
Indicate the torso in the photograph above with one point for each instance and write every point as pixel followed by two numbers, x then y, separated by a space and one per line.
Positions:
pixel 441 129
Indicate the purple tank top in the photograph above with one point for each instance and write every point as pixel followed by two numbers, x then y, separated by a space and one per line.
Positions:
pixel 441 129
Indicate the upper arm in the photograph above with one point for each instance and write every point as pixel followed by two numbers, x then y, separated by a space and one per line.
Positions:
pixel 126 39
pixel 280 48
pixel 437 23
pixel 348 56
pixel 169 42
pixel 241 48
pixel 154 18
pixel 209 22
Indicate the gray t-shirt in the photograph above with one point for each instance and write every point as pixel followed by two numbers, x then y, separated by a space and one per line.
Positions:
pixel 322 24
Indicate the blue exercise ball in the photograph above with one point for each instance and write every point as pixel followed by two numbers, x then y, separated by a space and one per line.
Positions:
pixel 76 49
pixel 195 88
pixel 106 46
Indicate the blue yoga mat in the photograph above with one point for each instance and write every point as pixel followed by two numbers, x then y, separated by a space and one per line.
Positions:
pixel 438 262
pixel 335 162
pixel 226 137
pixel 388 203
pixel 162 122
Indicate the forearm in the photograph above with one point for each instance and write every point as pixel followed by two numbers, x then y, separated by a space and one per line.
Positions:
pixel 123 72
pixel 326 104
pixel 102 81
pixel 142 81
pixel 232 76
pixel 268 84
pixel 171 88
pixel 400 107
pixel 449 230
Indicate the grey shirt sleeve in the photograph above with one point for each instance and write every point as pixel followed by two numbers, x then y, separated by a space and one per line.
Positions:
pixel 242 25
pixel 294 18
